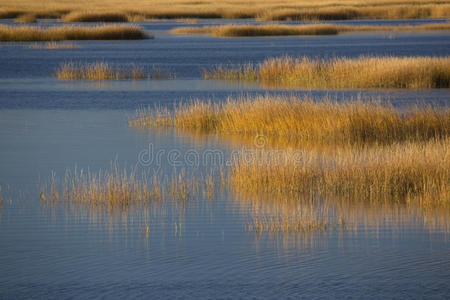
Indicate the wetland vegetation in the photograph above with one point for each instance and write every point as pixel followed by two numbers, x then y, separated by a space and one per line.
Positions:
pixel 363 72
pixel 71 32
pixel 104 11
pixel 308 29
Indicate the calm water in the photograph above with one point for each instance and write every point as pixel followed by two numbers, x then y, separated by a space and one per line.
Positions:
pixel 203 249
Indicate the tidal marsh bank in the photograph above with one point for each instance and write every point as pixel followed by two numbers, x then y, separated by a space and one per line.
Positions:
pixel 101 10
pixel 342 73
pixel 303 121
pixel 61 33
pixel 288 30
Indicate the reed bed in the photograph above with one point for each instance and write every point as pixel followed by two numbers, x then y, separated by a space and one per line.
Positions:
pixel 301 121
pixel 54 46
pixel 99 71
pixel 400 173
pixel 287 30
pixel 101 10
pixel 342 73
pixel 61 33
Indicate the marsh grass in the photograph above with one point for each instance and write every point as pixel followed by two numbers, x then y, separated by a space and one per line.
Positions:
pixel 78 16
pixel 26 18
pixel 304 121
pixel 286 30
pixel 99 71
pixel 365 151
pixel 54 46
pixel 400 173
pixel 101 10
pixel 111 189
pixel 60 33
pixel 122 189
pixel 342 73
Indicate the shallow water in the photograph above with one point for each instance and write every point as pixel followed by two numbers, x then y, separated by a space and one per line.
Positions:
pixel 203 249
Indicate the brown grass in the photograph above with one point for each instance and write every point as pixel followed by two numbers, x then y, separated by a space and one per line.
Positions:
pixel 303 121
pixel 287 30
pixel 117 189
pixel 97 10
pixel 95 17
pixel 98 71
pixel 403 173
pixel 60 33
pixel 343 73
pixel 111 189
pixel 26 18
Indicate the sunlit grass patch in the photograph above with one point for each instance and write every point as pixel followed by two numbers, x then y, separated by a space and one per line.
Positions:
pixel 303 121
pixel 99 71
pixel 98 10
pixel 122 189
pixel 95 17
pixel 341 73
pixel 359 11
pixel 287 30
pixel 60 33
pixel 111 189
pixel 407 172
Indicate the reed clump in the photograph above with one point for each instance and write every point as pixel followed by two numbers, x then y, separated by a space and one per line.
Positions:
pixel 342 73
pixel 117 189
pixel 98 71
pixel 111 189
pixel 60 33
pixel 304 121
pixel 400 173
pixel 287 30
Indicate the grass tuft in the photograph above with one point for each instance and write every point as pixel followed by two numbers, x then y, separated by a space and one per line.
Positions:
pixel 61 33
pixel 343 73
pixel 98 71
